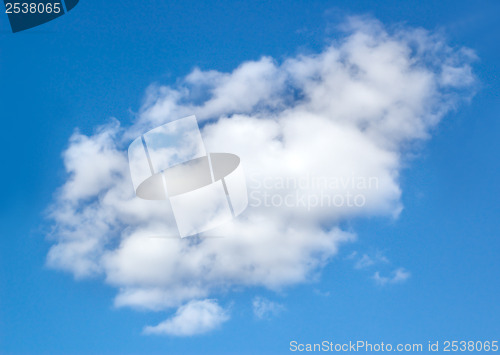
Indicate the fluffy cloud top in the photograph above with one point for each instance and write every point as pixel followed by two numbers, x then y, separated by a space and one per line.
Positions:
pixel 321 138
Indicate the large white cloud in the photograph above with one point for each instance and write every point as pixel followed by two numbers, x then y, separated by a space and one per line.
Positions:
pixel 321 138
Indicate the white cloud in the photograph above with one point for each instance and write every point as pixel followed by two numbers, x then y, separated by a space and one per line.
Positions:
pixel 321 293
pixel 196 317
pixel 363 262
pixel 397 276
pixel 366 260
pixel 265 309
pixel 342 117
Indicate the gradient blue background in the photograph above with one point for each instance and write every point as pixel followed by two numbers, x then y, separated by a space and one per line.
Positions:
pixel 96 61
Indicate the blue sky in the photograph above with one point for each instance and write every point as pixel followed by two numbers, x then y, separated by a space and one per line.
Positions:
pixel 97 61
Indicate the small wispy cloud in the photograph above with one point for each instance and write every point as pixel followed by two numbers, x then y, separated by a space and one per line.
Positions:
pixel 351 256
pixel 265 309
pixel 397 276
pixel 196 317
pixel 367 260
pixel 321 293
